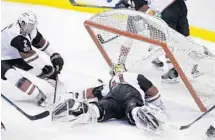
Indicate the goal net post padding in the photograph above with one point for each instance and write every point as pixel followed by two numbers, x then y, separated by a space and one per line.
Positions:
pixel 125 36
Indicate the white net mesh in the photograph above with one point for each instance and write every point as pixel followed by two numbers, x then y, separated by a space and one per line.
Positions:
pixel 135 55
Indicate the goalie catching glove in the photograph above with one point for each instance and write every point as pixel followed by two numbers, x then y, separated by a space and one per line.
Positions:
pixel 57 61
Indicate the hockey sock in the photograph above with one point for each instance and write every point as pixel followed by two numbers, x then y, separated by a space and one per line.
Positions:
pixel 22 83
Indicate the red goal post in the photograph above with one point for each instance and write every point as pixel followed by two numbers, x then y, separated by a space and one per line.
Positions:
pixel 97 25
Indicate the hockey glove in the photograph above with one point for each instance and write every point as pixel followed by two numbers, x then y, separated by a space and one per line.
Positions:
pixel 57 61
pixel 153 13
pixel 48 72
pixel 122 4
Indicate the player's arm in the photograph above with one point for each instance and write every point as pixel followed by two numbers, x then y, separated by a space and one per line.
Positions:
pixel 142 5
pixel 95 92
pixel 42 44
pixel 23 45
pixel 151 92
pixel 146 85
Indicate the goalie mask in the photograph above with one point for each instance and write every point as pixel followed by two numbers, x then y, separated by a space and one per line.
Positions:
pixel 27 21
pixel 117 69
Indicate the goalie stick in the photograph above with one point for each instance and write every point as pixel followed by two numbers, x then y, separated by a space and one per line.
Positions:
pixel 187 126
pixel 89 5
pixel 35 117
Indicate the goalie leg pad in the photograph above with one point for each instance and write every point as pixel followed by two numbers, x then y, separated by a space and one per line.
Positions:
pixel 149 118
pixel 78 112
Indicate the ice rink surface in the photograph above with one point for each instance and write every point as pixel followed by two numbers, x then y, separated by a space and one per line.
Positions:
pixel 83 65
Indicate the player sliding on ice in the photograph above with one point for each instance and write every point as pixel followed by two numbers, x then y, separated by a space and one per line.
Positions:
pixel 128 95
pixel 17 43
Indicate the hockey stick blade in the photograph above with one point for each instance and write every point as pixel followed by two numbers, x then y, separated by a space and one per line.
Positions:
pixel 35 117
pixel 184 127
pixel 187 126
pixel 89 5
pixel 38 116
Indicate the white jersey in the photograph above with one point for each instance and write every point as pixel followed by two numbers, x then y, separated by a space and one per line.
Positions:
pixel 13 40
pixel 137 81
pixel 159 5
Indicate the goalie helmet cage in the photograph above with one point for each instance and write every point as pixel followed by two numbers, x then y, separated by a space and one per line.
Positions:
pixel 123 35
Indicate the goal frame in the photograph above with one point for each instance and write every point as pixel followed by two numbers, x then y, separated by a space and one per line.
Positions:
pixel 89 24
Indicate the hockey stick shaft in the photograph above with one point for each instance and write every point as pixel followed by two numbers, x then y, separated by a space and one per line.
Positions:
pixel 89 5
pixel 55 89
pixel 187 126
pixel 35 117
pixel 2 126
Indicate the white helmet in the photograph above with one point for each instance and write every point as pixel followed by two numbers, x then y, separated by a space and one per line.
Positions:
pixel 117 69
pixel 27 21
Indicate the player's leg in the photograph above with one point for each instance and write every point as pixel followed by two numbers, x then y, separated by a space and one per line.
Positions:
pixel 152 94
pixel 139 113
pixel 183 28
pixel 8 72
pixel 170 15
pixel 127 43
pixel 182 23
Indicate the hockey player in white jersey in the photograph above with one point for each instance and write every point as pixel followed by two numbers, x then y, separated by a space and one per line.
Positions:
pixel 174 13
pixel 128 95
pixel 17 43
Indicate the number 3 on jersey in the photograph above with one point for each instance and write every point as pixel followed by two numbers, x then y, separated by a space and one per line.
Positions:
pixel 117 79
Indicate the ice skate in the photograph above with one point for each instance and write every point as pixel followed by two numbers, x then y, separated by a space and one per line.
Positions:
pixel 41 99
pixel 210 133
pixel 170 77
pixel 195 73
pixel 157 63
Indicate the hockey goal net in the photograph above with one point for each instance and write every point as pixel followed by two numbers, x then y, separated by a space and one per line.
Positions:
pixel 126 36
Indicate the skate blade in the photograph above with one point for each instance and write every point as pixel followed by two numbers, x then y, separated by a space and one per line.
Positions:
pixel 170 81
pixel 158 68
pixel 197 75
